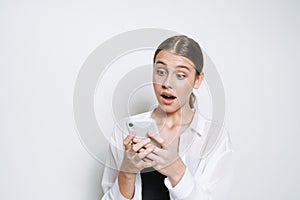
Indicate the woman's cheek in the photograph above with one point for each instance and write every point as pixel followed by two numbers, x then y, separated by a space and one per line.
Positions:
pixel 183 88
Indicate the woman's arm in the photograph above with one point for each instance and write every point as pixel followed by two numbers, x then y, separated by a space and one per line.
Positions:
pixel 212 179
pixel 126 183
pixel 110 184
pixel 123 163
pixel 210 182
pixel 213 184
pixel 110 179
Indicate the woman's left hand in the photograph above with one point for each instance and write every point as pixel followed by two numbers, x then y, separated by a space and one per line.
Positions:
pixel 168 161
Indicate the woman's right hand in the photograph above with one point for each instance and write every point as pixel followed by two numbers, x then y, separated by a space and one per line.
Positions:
pixel 135 153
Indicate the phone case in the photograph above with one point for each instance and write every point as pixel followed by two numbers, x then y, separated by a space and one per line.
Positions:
pixel 142 126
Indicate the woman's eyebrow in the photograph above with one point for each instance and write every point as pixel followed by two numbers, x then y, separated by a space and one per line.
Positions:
pixel 179 66
pixel 182 66
pixel 160 62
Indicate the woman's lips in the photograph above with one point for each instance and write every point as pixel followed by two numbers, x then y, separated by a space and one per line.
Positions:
pixel 167 99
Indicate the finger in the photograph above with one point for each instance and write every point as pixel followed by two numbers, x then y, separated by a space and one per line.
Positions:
pixel 158 151
pixel 153 157
pixel 153 133
pixel 147 145
pixel 136 140
pixel 146 159
pixel 139 145
pixel 149 163
pixel 127 141
pixel 129 137
pixel 141 150
pixel 145 152
pixel 157 138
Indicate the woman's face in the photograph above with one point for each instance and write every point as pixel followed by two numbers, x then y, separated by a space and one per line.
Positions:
pixel 174 78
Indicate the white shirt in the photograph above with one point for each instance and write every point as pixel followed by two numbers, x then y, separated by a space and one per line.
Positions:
pixel 208 158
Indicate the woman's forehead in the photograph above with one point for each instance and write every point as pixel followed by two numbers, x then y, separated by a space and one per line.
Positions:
pixel 172 59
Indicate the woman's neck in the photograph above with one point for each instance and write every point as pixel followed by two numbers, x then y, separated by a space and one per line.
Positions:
pixel 181 117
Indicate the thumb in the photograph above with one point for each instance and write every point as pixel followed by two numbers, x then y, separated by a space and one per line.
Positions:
pixel 157 138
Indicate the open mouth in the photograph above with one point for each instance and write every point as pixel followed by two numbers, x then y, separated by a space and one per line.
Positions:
pixel 167 96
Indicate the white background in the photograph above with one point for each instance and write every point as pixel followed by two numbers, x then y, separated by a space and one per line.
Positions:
pixel 254 45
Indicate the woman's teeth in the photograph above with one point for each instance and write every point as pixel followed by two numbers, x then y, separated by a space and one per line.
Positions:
pixel 167 97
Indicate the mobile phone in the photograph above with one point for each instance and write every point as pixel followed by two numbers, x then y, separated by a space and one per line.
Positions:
pixel 142 126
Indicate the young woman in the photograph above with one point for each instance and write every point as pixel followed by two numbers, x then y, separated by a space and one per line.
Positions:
pixel 176 168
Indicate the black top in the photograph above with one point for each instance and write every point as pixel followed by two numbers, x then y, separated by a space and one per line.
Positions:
pixel 153 187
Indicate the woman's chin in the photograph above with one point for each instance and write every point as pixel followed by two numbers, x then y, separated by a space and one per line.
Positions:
pixel 168 108
pixel 172 108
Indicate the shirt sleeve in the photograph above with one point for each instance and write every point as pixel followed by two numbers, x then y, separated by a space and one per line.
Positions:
pixel 110 184
pixel 114 158
pixel 213 182
pixel 113 162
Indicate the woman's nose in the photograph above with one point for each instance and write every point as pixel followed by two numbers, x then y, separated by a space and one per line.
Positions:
pixel 167 82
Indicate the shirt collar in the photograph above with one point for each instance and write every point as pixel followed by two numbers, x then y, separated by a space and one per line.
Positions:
pixel 198 123
pixel 196 129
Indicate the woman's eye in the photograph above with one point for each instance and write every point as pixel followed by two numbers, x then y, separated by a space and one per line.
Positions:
pixel 161 72
pixel 180 76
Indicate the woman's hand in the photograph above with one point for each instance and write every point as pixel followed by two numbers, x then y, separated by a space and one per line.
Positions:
pixel 135 153
pixel 133 161
pixel 168 161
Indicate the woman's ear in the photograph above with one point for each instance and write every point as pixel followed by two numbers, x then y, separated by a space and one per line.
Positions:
pixel 198 80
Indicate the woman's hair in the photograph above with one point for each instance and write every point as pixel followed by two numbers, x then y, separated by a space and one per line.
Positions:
pixel 186 47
